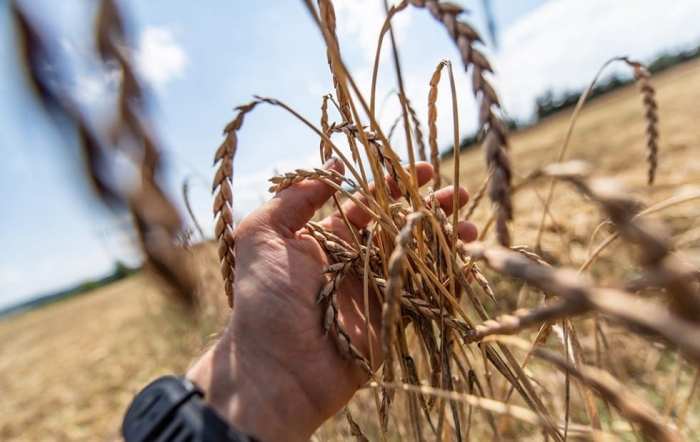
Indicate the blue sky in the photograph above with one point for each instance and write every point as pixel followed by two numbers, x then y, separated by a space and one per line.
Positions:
pixel 203 58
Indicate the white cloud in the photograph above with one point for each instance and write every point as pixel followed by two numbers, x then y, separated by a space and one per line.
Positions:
pixel 90 89
pixel 93 84
pixel 159 57
pixel 359 22
pixel 561 44
pixel 358 26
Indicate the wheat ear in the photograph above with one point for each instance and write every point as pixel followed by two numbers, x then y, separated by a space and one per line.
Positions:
pixel 223 200
pixel 392 300
pixel 325 148
pixel 465 37
pixel 642 76
pixel 432 123
pixel 632 407
pixel 281 182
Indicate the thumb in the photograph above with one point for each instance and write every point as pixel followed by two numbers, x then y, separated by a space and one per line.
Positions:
pixel 294 206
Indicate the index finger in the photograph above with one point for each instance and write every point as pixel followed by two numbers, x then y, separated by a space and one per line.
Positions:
pixel 359 217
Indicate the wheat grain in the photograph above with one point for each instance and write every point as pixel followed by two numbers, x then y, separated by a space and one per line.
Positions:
pixel 423 308
pixel 325 148
pixel 391 307
pixel 282 182
pixel 483 282
pixel 432 122
pixel 525 251
pixel 519 320
pixel 499 185
pixel 223 199
pixel 642 75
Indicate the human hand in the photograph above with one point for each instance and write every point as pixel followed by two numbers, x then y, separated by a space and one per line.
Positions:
pixel 274 374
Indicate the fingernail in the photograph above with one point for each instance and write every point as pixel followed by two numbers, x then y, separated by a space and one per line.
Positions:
pixel 330 162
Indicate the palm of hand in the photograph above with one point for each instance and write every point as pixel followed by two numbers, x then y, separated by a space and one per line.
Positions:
pixel 278 281
pixel 279 272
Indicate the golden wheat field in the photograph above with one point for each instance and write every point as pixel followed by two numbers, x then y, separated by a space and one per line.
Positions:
pixel 68 370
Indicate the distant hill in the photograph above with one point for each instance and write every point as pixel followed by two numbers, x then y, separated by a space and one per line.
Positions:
pixel 551 102
pixel 121 271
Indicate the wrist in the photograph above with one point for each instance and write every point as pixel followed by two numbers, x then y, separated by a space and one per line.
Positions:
pixel 254 394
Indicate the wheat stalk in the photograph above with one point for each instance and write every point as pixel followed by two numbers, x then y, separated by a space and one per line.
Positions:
pixel 476 198
pixel 423 274
pixel 392 128
pixel 465 37
pixel 186 198
pixel 416 128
